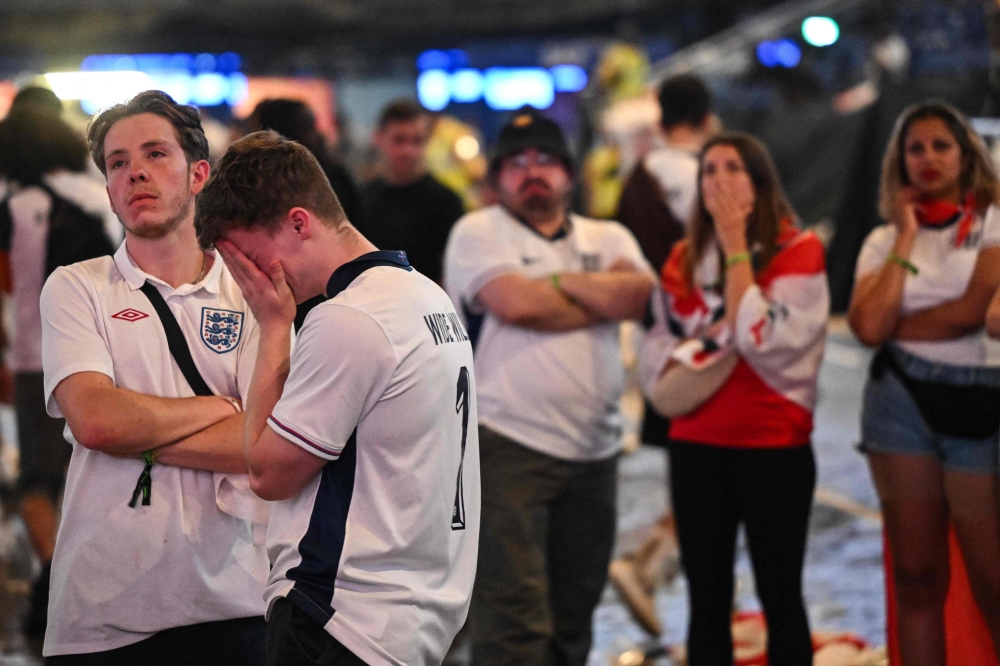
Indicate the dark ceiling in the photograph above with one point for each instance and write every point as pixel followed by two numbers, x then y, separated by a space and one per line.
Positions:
pixel 274 35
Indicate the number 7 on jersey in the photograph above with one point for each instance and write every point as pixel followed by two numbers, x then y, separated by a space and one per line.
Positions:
pixel 461 405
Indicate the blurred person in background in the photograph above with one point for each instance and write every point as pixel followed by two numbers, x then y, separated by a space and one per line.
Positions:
pixel 543 291
pixel 48 205
pixel 930 420
pixel 293 119
pixel 747 282
pixel 656 204
pixel 658 198
pixel 406 208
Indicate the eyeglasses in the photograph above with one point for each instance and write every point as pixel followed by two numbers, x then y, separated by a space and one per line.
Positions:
pixel 522 161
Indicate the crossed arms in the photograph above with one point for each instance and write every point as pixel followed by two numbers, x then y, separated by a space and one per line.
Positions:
pixel 200 433
pixel 875 315
pixel 618 294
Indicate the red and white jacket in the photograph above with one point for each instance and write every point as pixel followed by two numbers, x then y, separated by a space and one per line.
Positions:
pixel 779 335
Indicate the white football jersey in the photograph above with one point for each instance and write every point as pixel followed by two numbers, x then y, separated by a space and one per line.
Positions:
pixel 556 393
pixel 121 574
pixel 380 548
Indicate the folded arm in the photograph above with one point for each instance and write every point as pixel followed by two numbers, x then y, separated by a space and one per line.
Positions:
pixel 118 421
pixel 877 297
pixel 610 295
pixel 217 448
pixel 962 316
pixel 534 304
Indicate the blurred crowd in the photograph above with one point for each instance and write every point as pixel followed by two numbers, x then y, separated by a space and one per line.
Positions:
pixel 729 295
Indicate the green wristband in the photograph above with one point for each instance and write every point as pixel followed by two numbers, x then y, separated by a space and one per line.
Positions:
pixel 557 284
pixel 737 258
pixel 899 261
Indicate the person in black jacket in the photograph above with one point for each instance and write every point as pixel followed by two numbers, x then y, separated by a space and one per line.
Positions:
pixel 406 208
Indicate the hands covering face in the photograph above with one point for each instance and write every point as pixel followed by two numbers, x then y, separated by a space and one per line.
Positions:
pixel 728 195
pixel 267 293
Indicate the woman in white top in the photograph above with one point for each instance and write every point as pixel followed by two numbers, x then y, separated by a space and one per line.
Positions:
pixel 931 411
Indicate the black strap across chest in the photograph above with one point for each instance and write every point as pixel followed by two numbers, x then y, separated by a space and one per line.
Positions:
pixel 176 341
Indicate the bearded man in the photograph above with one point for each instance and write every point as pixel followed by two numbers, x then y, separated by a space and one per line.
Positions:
pixel 543 292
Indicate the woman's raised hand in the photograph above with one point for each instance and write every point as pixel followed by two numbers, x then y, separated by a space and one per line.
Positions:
pixel 904 212
pixel 730 210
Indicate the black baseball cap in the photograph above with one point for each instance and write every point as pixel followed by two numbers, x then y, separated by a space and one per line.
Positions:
pixel 529 129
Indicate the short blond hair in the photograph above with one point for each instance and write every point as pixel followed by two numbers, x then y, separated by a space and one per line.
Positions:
pixel 978 177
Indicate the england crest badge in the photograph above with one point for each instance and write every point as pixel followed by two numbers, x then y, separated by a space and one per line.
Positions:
pixel 221 329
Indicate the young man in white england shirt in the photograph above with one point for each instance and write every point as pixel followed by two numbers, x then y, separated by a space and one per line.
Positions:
pixel 366 435
pixel 177 577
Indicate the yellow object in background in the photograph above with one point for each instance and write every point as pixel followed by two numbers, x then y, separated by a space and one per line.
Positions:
pixel 455 157
pixel 623 72
pixel 603 182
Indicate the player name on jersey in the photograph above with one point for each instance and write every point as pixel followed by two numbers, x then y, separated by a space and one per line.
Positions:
pixel 446 327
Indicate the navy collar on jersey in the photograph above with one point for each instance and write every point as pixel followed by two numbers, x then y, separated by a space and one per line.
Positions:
pixel 561 232
pixel 345 275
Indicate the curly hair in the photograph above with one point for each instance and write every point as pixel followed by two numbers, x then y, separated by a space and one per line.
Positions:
pixel 978 173
pixel 185 120
pixel 259 179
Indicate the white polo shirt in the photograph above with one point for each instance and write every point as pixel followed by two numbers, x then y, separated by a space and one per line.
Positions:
pixel 556 393
pixel 380 548
pixel 121 574
pixel 945 271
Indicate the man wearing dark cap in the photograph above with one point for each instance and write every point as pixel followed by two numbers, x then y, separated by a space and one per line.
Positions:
pixel 543 291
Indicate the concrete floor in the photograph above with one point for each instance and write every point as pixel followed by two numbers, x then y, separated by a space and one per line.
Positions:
pixel 844 585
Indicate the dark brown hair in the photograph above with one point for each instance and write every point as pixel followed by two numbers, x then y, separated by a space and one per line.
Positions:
pixel 400 110
pixel 185 119
pixel 978 174
pixel 259 179
pixel 770 203
pixel 35 141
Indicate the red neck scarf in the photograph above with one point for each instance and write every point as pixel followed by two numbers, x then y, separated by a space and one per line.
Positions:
pixel 937 214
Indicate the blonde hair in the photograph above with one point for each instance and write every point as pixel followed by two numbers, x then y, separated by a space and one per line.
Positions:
pixel 978 175
pixel 770 203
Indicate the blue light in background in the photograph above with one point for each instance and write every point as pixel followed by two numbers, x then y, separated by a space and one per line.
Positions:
pixel 780 53
pixel 433 89
pixel 569 78
pixel 204 62
pixel 466 85
pixel 203 79
pixel 789 53
pixel 210 89
pixel 227 63
pixel 239 85
pixel 433 59
pixel 446 78
pixel 507 89
pixel 458 59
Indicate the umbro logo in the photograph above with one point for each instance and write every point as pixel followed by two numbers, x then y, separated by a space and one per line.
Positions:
pixel 129 314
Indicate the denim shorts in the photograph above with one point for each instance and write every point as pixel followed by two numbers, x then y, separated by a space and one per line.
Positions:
pixel 892 423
